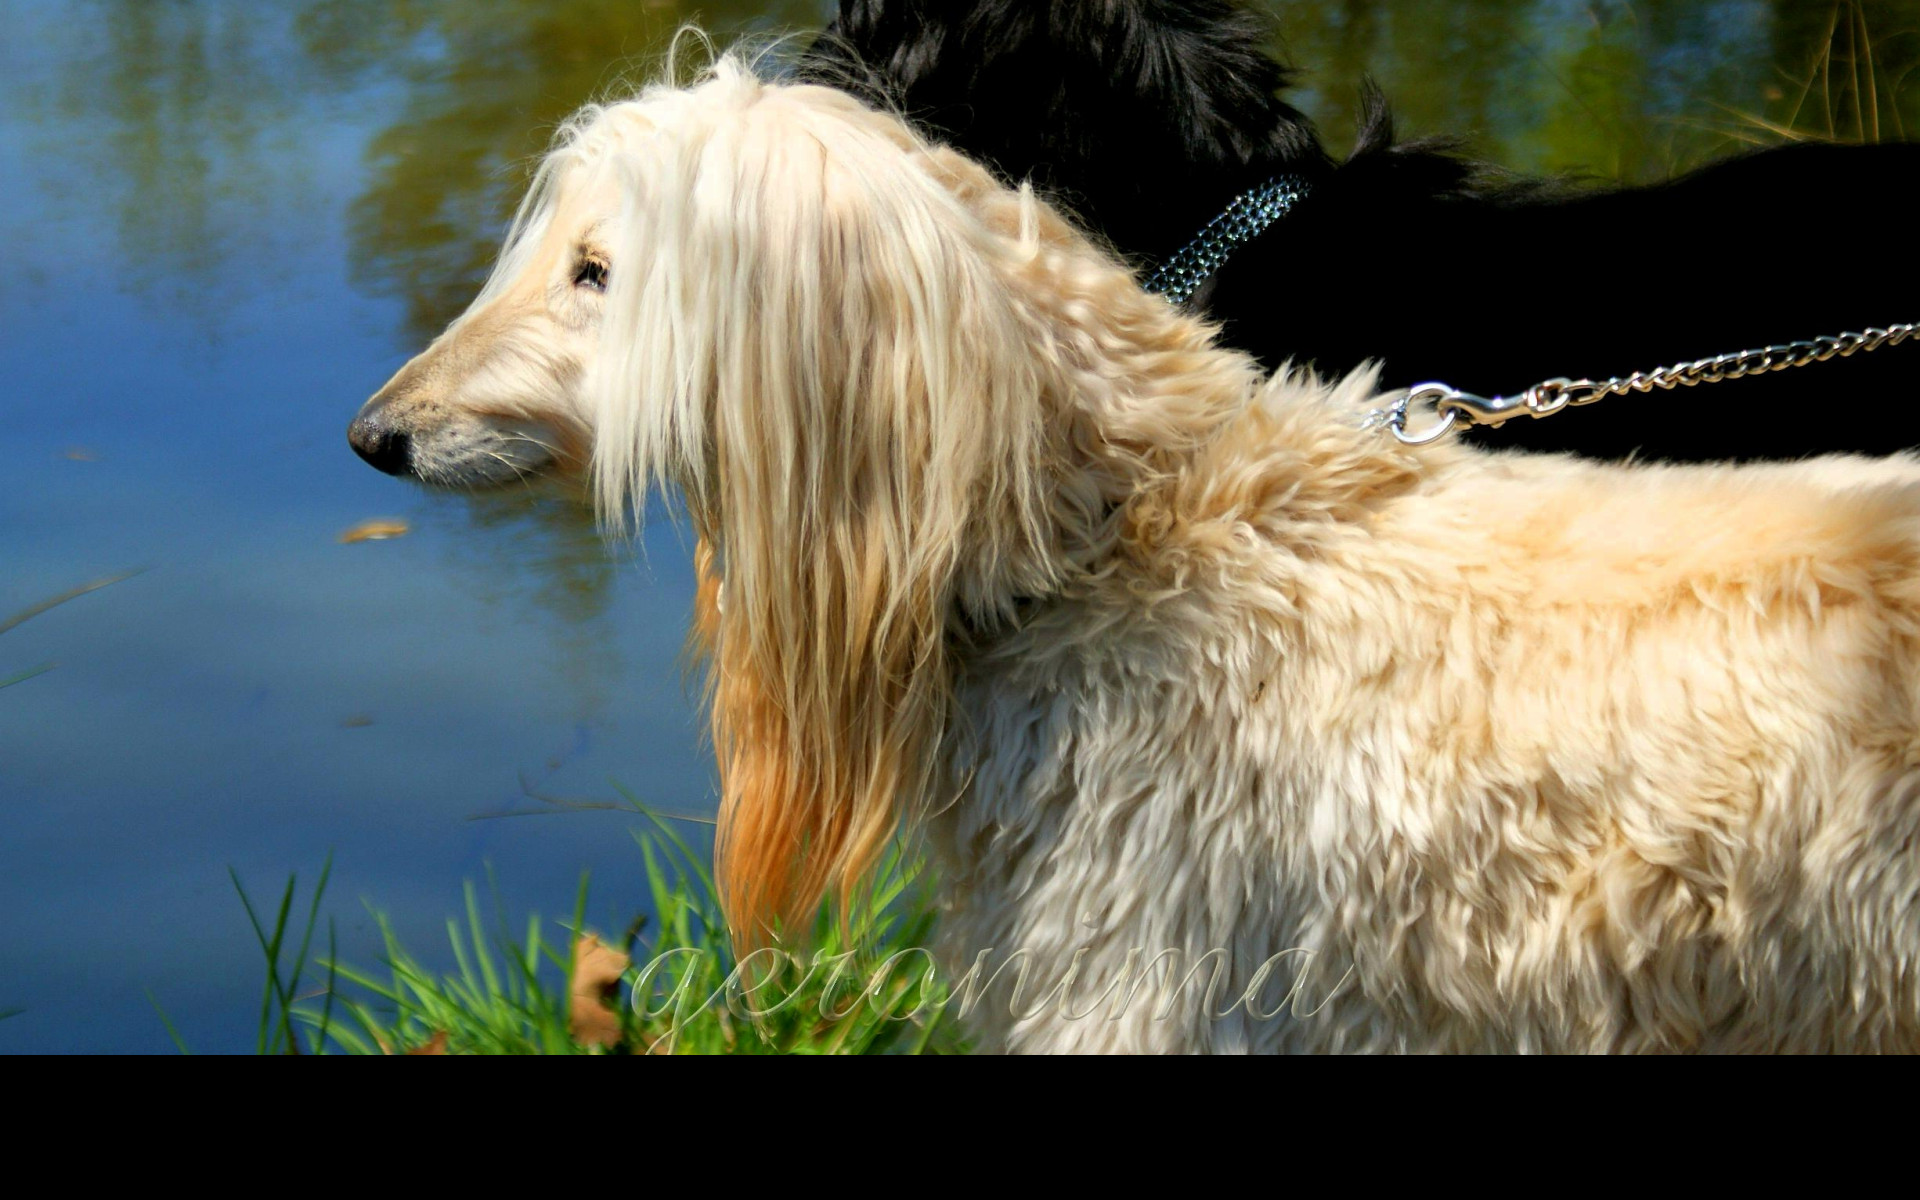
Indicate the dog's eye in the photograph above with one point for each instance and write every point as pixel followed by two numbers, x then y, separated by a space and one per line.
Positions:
pixel 591 274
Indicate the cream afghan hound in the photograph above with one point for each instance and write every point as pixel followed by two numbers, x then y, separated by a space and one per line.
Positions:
pixel 1232 722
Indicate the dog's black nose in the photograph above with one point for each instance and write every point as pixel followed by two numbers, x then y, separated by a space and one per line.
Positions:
pixel 384 447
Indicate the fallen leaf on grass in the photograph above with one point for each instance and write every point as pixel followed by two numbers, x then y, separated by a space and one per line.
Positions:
pixel 435 1045
pixel 597 968
pixel 378 530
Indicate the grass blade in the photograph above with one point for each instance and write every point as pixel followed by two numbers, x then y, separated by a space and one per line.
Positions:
pixel 179 1043
pixel 29 673
pixel 33 610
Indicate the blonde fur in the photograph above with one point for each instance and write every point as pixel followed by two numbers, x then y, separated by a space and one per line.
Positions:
pixel 1185 672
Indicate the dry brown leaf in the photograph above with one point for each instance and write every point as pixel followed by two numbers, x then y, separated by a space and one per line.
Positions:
pixel 597 968
pixel 376 530
pixel 437 1044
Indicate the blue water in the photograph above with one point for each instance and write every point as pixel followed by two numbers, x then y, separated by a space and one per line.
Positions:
pixel 176 376
pixel 224 224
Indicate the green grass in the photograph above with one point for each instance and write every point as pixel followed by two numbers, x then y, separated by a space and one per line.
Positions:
pixel 866 986
pixel 47 605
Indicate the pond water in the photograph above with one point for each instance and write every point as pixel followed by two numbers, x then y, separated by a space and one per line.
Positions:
pixel 226 222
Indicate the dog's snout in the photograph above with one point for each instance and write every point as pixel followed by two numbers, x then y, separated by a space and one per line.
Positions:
pixel 383 446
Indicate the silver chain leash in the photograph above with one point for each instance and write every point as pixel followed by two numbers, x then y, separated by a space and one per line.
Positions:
pixel 1543 399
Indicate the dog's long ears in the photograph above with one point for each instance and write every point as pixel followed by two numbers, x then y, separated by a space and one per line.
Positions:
pixel 850 406
pixel 809 783
pixel 855 470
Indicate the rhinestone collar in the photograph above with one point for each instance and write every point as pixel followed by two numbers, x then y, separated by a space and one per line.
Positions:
pixel 1248 216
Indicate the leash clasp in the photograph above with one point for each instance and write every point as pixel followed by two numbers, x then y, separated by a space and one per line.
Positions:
pixel 1541 400
pixel 1479 410
pixel 1452 405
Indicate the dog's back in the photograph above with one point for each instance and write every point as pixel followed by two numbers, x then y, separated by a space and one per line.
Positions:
pixel 1510 756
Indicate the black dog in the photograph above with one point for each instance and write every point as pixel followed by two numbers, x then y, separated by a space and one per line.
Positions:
pixel 1148 117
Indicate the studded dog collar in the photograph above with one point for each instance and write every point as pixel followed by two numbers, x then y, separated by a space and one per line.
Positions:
pixel 1248 216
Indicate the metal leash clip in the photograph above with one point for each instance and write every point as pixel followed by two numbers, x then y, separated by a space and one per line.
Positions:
pixel 1452 406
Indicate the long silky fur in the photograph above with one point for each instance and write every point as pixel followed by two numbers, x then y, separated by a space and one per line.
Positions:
pixel 1169 656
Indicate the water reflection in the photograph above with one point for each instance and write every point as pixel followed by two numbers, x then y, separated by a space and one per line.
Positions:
pixel 485 85
pixel 540 550
pixel 160 119
pixel 1617 90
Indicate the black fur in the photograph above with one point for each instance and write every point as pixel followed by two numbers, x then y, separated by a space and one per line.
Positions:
pixel 1145 117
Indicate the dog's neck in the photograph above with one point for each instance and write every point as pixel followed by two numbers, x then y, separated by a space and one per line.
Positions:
pixel 1148 411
